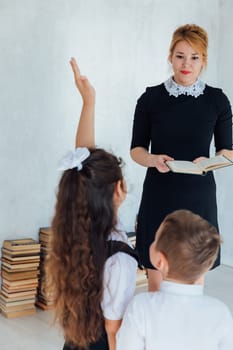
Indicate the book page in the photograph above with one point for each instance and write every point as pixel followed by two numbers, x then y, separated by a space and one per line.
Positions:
pixel 215 162
pixel 183 166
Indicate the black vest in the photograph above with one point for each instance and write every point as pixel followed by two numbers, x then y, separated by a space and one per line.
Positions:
pixel 114 247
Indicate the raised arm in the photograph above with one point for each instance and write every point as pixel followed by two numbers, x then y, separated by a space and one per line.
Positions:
pixel 85 135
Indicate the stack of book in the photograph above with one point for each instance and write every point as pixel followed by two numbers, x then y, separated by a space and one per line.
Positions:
pixel 44 298
pixel 19 271
pixel 141 280
pixel 132 238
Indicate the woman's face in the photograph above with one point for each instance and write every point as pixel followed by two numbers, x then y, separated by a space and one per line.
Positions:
pixel 187 63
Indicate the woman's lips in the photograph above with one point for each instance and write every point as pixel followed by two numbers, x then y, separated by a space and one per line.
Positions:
pixel 185 71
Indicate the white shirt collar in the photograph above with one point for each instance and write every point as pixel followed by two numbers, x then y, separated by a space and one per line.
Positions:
pixel 181 289
pixel 175 89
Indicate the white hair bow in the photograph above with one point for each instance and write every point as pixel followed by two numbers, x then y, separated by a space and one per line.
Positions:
pixel 74 159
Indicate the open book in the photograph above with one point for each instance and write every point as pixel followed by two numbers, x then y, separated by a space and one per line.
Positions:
pixel 200 168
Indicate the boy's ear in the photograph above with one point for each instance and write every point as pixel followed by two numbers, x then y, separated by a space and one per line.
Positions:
pixel 159 261
pixel 155 258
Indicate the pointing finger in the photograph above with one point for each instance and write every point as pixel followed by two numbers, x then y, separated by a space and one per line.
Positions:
pixel 75 67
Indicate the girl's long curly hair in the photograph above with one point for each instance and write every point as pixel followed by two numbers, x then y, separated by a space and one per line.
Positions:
pixel 84 217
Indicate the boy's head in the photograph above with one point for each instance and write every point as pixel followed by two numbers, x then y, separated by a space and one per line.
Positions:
pixel 185 246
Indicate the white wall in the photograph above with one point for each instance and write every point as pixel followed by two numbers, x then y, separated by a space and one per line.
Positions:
pixel 122 46
pixel 224 178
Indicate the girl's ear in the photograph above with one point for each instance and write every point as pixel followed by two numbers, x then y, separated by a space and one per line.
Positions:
pixel 119 192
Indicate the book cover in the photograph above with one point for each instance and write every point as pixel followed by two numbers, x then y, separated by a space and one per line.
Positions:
pixel 20 313
pixel 19 288
pixel 22 269
pixel 15 276
pixel 19 266
pixel 21 244
pixel 17 296
pixel 19 282
pixel 22 252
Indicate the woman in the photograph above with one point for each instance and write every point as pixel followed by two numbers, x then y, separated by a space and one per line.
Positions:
pixel 177 120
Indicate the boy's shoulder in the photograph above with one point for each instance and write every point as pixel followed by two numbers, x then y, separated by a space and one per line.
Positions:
pixel 217 304
pixel 144 299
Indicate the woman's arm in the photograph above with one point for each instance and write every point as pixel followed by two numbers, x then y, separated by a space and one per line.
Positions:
pixel 141 156
pixel 141 138
pixel 111 327
pixel 85 136
pixel 223 126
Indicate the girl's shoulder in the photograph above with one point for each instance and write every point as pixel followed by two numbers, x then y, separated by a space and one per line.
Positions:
pixel 120 252
pixel 119 278
pixel 118 233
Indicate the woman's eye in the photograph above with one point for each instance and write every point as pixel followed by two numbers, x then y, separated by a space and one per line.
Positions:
pixel 179 56
pixel 195 58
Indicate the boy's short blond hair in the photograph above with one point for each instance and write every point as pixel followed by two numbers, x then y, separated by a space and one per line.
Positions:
pixel 190 244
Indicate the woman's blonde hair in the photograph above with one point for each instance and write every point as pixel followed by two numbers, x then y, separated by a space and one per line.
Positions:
pixel 194 35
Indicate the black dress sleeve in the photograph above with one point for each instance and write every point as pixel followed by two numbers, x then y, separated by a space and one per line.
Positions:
pixel 223 127
pixel 141 123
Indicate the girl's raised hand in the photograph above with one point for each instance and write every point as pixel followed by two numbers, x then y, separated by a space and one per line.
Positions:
pixel 86 90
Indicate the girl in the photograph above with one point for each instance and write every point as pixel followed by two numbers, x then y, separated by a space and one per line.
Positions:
pixel 91 286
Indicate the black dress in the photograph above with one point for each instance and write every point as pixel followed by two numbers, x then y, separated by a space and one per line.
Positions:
pixel 181 127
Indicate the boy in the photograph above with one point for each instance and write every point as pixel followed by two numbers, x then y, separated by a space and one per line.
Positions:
pixel 179 316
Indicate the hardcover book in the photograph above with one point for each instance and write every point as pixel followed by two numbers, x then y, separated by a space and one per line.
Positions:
pixel 200 168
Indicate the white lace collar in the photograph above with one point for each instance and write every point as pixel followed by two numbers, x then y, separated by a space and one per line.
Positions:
pixel 175 89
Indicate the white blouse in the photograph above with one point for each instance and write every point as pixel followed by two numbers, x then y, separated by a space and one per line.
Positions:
pixel 119 280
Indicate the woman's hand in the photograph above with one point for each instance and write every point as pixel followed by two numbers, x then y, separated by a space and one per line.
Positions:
pixel 226 152
pixel 141 156
pixel 196 160
pixel 86 90
pixel 159 162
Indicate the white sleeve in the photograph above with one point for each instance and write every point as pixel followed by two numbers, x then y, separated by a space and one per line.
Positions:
pixel 226 342
pixel 119 285
pixel 131 335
